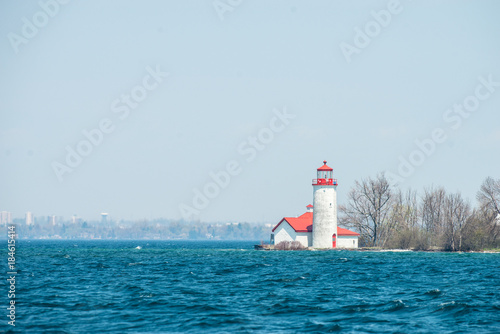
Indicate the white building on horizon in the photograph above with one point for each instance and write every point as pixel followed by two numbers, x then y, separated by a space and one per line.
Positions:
pixel 5 218
pixel 75 219
pixel 30 219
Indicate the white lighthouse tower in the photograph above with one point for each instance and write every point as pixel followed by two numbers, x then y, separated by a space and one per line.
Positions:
pixel 324 232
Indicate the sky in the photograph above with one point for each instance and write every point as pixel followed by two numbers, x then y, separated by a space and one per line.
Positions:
pixel 223 110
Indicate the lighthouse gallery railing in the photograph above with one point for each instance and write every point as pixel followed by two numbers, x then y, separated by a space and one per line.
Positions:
pixel 324 182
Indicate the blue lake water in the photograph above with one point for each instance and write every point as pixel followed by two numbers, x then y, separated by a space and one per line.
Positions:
pixel 227 287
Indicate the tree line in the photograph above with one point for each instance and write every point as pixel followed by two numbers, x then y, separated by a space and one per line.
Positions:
pixel 161 229
pixel 388 217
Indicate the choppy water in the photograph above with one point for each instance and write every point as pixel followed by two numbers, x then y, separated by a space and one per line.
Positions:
pixel 227 287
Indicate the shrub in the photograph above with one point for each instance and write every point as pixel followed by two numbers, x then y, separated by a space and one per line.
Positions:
pixel 289 245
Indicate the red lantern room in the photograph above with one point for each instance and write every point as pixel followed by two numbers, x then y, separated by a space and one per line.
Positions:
pixel 325 176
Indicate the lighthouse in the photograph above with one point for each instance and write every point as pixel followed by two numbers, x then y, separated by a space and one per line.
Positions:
pixel 324 231
pixel 317 227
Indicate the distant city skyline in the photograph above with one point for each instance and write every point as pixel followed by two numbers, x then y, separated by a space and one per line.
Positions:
pixel 181 110
pixel 30 218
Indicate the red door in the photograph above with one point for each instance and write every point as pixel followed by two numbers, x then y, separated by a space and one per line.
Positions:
pixel 334 241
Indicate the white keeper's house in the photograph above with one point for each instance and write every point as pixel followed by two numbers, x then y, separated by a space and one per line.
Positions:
pixel 317 228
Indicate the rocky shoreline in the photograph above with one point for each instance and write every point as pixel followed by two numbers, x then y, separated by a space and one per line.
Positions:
pixel 268 247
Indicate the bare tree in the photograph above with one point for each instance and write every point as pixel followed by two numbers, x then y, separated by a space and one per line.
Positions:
pixel 476 232
pixel 489 195
pixel 456 216
pixel 404 219
pixel 368 209
pixel 432 214
pixel 489 201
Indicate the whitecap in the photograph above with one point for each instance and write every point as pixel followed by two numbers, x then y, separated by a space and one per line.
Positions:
pixel 443 305
pixel 433 292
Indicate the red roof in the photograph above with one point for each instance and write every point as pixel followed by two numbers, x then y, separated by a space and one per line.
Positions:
pixel 299 224
pixel 310 206
pixel 325 167
pixel 304 224
pixel 343 231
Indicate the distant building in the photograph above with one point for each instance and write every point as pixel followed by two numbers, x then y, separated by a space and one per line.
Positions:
pixel 30 219
pixel 104 217
pixel 317 228
pixel 5 218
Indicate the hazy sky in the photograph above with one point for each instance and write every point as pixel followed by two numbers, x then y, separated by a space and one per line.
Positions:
pixel 127 107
